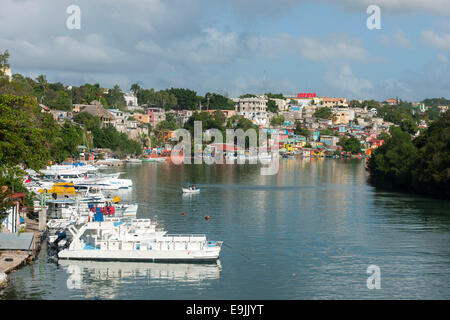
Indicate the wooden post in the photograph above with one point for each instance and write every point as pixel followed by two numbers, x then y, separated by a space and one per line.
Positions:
pixel 43 219
pixel 43 212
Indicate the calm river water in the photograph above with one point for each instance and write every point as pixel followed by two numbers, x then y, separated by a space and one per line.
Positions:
pixel 309 232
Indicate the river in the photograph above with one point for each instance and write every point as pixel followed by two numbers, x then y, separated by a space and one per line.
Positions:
pixel 309 232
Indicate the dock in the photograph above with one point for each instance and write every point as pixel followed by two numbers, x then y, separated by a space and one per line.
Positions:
pixel 17 250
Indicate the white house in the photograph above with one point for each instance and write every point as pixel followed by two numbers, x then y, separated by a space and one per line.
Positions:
pixel 131 100
pixel 254 109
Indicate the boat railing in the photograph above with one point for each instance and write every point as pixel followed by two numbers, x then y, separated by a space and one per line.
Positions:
pixel 185 235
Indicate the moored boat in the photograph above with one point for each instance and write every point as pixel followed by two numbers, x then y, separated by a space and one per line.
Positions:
pixel 111 241
pixel 191 190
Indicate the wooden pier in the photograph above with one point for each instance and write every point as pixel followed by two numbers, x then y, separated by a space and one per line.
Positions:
pixel 10 260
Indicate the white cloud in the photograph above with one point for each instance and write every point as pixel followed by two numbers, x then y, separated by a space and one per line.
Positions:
pixel 63 52
pixel 442 58
pixel 242 84
pixel 270 8
pixel 190 42
pixel 149 47
pixel 440 7
pixel 335 47
pixel 211 47
pixel 332 49
pixel 436 41
pixel 342 78
pixel 397 39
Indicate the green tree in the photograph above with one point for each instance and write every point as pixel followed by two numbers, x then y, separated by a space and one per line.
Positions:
pixel 247 95
pixel 135 88
pixel 327 132
pixel 432 113
pixel 430 170
pixel 69 139
pixel 323 113
pixel 435 102
pixel 277 120
pixel 169 124
pixel 4 57
pixel 22 139
pixel 270 95
pixel 25 141
pixel 162 99
pixel 370 104
pixel 301 131
pixel 186 99
pixel 352 145
pixel 409 126
pixel 115 98
pixel 110 138
pixel 88 120
pixel 217 101
pixel 355 104
pixel 41 88
pixel 391 163
pixel 18 86
pixel 272 106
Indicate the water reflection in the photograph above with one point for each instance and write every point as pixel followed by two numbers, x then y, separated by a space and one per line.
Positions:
pixel 105 280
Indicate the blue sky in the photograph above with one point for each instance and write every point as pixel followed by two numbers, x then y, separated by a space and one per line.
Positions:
pixel 237 46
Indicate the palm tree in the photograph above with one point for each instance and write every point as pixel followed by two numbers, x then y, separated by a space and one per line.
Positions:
pixel 135 88
pixel 42 85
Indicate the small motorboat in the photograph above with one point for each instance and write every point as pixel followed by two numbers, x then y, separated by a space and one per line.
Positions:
pixel 191 189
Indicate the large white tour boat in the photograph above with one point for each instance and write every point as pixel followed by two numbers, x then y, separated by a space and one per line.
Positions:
pixel 112 240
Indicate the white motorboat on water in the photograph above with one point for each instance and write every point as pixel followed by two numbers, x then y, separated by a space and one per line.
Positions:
pixel 80 179
pixel 65 211
pixel 191 189
pixel 113 241
pixel 138 229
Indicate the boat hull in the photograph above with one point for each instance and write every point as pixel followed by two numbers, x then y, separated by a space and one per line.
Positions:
pixel 139 256
pixel 190 191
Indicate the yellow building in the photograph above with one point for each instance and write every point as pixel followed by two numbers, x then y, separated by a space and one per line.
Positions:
pixel 342 116
pixel 317 100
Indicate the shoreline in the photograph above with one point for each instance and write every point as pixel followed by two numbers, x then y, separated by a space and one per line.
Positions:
pixel 17 259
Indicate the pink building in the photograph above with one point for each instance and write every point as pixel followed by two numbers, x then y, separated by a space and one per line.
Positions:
pixel 156 115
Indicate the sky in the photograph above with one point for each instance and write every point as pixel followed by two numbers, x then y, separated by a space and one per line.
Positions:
pixel 235 47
